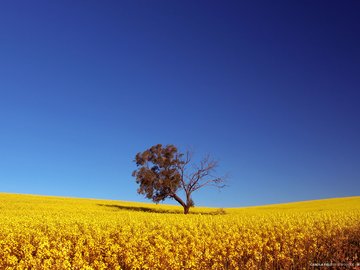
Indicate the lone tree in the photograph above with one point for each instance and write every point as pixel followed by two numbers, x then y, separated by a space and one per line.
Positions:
pixel 163 171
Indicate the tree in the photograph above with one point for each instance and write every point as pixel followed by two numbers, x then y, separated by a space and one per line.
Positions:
pixel 164 171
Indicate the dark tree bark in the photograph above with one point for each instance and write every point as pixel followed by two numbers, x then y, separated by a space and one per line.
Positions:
pixel 186 209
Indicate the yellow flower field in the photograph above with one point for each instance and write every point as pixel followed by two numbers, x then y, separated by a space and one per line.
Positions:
pixel 38 232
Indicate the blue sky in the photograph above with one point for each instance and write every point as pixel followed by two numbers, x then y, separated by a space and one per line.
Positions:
pixel 271 89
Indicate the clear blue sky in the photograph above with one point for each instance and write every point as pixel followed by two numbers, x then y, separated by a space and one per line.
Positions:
pixel 270 88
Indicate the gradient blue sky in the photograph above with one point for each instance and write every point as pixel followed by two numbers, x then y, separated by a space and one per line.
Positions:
pixel 270 88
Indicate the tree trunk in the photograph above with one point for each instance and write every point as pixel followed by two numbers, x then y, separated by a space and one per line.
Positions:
pixel 186 209
pixel 186 205
pixel 179 200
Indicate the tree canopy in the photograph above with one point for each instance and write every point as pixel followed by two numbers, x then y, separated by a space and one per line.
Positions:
pixel 163 171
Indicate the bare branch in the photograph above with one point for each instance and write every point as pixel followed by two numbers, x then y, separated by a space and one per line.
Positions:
pixel 200 177
pixel 183 166
pixel 217 182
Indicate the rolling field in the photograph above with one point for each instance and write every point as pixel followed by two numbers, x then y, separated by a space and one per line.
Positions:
pixel 39 232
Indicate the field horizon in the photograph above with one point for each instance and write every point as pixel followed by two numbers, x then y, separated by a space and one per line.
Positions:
pixel 333 200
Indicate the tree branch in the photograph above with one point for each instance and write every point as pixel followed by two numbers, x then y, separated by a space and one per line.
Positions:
pixel 178 199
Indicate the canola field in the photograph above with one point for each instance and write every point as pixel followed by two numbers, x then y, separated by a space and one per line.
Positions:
pixel 38 232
